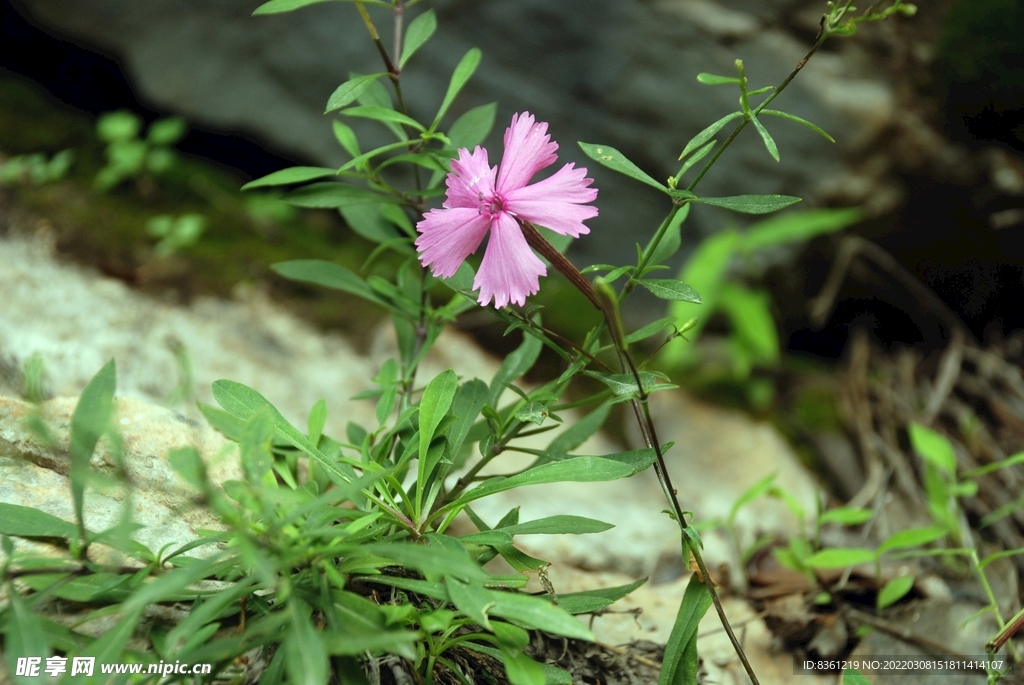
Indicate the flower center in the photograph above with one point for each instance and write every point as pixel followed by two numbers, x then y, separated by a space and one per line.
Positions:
pixel 495 204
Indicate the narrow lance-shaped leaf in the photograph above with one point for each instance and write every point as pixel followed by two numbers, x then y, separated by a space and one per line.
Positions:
pixel 671 240
pixel 28 522
pixel 716 80
pixel 298 174
pixel 327 274
pixel 278 6
pixel 696 602
pixel 437 398
pixel 895 590
pixel 769 142
pixel 242 401
pixel 797 120
pixel 419 32
pixel 616 161
pixel 331 195
pixel 305 656
pixel 88 423
pixel 670 289
pixel 694 158
pixel 383 114
pixel 751 204
pixel 472 128
pixel 708 133
pixel 514 366
pixel 350 90
pixel 798 225
pixel 578 470
pixel 465 69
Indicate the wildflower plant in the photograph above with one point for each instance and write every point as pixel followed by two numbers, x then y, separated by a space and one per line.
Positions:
pixel 337 557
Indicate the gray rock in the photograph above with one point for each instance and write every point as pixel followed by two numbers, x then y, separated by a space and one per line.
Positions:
pixel 34 473
pixel 605 71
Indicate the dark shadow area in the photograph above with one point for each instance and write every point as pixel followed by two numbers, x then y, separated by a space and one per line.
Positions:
pixel 95 83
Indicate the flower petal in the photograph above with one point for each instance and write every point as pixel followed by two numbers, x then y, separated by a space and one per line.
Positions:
pixel 509 271
pixel 528 149
pixel 557 202
pixel 448 236
pixel 471 177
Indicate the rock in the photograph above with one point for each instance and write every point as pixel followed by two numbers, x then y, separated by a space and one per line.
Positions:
pixel 34 473
pixel 604 71
pixel 75 321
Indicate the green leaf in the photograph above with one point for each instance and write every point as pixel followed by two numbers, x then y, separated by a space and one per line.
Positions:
pixel 534 412
pixel 576 470
pixel 167 131
pixel 32 523
pixel 577 433
pixel 277 6
pixel 514 366
pixel 915 537
pixel 89 421
pixel 297 174
pixel 437 398
pixel 769 142
pixel 707 134
pixel 716 80
pixel 558 525
pixel 895 590
pixel 383 114
pixel 356 162
pixel 346 137
pixel 752 322
pixel 369 222
pixel 25 637
pixel 696 601
pixel 472 128
pixel 537 613
pixel 700 154
pixel 616 161
pixel 243 402
pixel 594 600
pixel 670 289
pixel 256 443
pixel 933 447
pixel 798 225
pixel 317 419
pixel 751 204
pixel 840 557
pixel 331 195
pixel 419 32
pixel 305 656
pixel 350 90
pixel 624 384
pixel 752 493
pixel 471 599
pixel 463 71
pixel 846 516
pixel 466 406
pixel 649 330
pixel 671 241
pixel 797 120
pixel 329 275
pixel 852 676
pixel 400 642
pixel 439 559
pixel 521 669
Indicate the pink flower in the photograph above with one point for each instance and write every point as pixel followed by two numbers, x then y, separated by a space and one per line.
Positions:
pixel 482 198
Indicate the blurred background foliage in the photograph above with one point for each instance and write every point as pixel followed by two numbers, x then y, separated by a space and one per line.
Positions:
pixel 144 229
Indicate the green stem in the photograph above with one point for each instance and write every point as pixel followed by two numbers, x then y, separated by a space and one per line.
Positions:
pixel 606 302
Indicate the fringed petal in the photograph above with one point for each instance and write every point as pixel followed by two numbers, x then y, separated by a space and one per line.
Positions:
pixel 509 271
pixel 448 236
